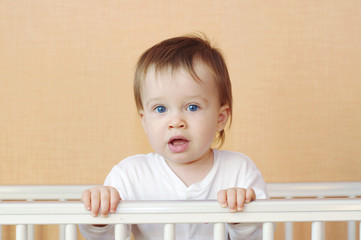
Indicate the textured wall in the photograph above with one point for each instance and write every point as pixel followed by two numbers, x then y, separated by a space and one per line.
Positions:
pixel 66 106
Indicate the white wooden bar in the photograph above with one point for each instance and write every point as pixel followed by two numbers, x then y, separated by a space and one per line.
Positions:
pixel 268 231
pixel 288 230
pixel 288 225
pixel 138 212
pixel 276 190
pixel 314 189
pixel 351 226
pixel 30 231
pixel 120 232
pixel 319 190
pixel 317 231
pixel 21 232
pixel 0 228
pixel 70 232
pixel 42 192
pixel 169 231
pixel 219 231
pixel 351 230
pixel 61 232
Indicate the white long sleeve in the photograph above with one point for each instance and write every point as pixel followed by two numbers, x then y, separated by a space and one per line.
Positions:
pixel 243 231
pixel 91 232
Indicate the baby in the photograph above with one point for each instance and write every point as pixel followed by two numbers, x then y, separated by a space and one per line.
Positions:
pixel 183 95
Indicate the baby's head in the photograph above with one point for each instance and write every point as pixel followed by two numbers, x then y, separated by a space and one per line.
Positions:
pixel 181 53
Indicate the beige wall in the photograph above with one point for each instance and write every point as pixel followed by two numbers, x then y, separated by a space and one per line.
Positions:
pixel 66 106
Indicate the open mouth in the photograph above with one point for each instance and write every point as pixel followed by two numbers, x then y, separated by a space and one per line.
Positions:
pixel 178 144
pixel 177 140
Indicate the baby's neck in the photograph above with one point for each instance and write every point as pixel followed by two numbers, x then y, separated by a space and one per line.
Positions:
pixel 195 171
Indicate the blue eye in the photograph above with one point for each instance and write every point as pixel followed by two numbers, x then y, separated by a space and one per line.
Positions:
pixel 160 109
pixel 192 108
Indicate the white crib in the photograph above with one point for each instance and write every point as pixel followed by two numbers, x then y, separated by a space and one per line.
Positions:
pixel 68 214
pixel 31 193
pixel 316 190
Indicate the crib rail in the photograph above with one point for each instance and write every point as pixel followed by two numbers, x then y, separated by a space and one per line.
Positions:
pixel 42 192
pixel 276 190
pixel 266 212
pixel 314 189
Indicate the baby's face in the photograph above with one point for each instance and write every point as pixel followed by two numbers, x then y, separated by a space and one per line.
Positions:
pixel 181 115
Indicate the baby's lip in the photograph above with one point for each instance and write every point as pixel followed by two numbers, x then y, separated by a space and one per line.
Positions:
pixel 177 138
pixel 178 144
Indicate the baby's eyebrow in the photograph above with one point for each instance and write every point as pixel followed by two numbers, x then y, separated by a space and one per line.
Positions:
pixel 153 100
pixel 198 98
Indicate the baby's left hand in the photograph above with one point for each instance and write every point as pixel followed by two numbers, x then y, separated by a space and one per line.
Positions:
pixel 235 198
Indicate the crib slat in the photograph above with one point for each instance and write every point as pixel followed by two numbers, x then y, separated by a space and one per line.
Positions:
pixel 29 226
pixel 317 231
pixel 323 230
pixel 61 232
pixel 288 227
pixel 120 232
pixel 322 224
pixel 1 232
pixel 169 231
pixel 70 232
pixel 219 231
pixel 30 232
pixel 288 230
pixel 268 231
pixel 351 231
pixel 21 232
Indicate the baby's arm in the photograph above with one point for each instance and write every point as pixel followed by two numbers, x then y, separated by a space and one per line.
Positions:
pixel 235 198
pixel 104 197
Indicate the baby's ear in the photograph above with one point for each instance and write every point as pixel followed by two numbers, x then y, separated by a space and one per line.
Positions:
pixel 142 120
pixel 223 116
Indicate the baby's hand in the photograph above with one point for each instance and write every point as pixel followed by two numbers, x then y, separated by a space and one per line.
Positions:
pixel 235 198
pixel 104 197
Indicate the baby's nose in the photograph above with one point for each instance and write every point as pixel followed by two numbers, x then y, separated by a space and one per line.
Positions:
pixel 177 124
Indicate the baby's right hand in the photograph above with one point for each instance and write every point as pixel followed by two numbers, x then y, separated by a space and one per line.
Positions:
pixel 104 197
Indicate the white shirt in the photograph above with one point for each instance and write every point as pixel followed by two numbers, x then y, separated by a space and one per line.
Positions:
pixel 148 177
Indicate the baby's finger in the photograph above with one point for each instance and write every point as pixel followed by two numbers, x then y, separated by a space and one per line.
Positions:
pixel 222 198
pixel 241 195
pixel 85 198
pixel 95 201
pixel 232 199
pixel 114 200
pixel 250 195
pixel 105 202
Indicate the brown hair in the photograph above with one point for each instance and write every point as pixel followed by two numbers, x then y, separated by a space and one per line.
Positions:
pixel 180 52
